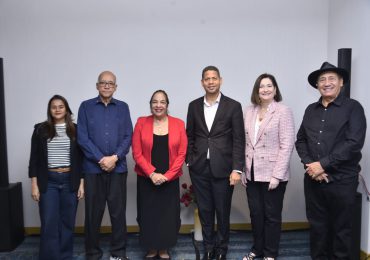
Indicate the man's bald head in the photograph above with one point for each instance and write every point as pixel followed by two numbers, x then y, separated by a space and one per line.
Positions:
pixel 101 75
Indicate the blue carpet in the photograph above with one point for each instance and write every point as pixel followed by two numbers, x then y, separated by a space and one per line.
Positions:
pixel 294 245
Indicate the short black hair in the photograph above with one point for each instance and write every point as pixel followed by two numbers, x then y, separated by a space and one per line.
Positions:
pixel 210 67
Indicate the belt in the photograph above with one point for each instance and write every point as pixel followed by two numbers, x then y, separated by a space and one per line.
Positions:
pixel 60 170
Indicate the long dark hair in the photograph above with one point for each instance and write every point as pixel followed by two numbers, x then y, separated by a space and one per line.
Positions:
pixel 50 124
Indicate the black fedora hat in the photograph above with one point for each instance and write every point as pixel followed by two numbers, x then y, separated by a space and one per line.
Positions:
pixel 326 66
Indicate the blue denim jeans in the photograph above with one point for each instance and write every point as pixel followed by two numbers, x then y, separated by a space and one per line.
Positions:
pixel 58 207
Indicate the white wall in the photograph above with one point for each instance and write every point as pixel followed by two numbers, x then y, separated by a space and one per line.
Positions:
pixel 60 47
pixel 349 28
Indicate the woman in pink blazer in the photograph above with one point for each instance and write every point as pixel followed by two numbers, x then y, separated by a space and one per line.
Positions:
pixel 269 136
pixel 159 147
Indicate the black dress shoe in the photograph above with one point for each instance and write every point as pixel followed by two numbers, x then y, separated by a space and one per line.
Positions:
pixel 208 256
pixel 221 257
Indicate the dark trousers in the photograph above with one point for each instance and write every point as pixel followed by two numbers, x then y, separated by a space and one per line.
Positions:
pixel 213 197
pixel 102 189
pixel 329 209
pixel 265 211
pixel 57 207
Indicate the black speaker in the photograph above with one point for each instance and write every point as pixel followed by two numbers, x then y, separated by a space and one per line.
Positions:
pixel 11 216
pixel 4 178
pixel 11 202
pixel 345 62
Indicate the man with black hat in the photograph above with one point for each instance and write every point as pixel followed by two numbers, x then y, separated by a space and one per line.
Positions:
pixel 329 143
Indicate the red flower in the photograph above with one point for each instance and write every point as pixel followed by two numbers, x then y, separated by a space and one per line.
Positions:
pixel 188 196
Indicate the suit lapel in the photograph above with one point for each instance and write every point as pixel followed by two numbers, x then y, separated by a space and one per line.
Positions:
pixel 171 129
pixel 251 124
pixel 44 147
pixel 266 120
pixel 219 113
pixel 200 110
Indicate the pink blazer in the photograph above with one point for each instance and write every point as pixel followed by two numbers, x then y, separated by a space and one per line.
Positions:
pixel 275 141
pixel 142 143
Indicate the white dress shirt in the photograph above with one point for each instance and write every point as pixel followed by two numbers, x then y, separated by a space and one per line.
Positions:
pixel 210 113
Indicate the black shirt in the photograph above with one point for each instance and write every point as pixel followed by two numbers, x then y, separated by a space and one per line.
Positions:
pixel 334 136
pixel 160 153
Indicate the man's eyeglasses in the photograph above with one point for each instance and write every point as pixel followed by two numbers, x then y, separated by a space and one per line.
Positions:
pixel 109 84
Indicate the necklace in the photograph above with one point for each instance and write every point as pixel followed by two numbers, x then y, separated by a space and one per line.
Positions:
pixel 160 126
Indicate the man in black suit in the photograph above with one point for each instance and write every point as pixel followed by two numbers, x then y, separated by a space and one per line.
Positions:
pixel 215 158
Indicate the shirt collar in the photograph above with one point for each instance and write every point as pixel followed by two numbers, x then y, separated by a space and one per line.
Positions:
pixel 270 107
pixel 338 101
pixel 217 100
pixel 98 100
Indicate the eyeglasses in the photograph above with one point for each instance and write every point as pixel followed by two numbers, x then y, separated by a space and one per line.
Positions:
pixel 110 84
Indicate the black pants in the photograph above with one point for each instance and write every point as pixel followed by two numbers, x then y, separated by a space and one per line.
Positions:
pixel 100 189
pixel 329 208
pixel 158 213
pixel 213 197
pixel 265 211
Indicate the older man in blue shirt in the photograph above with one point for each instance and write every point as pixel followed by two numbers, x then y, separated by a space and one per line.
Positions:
pixel 104 133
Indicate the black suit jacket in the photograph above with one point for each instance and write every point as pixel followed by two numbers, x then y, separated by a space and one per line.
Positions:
pixel 225 140
pixel 38 166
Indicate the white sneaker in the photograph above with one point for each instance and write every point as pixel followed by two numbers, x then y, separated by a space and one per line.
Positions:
pixel 250 256
pixel 118 258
